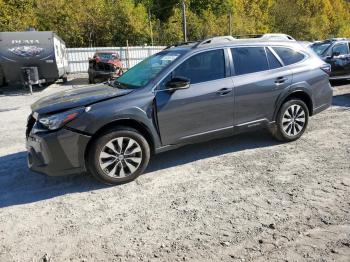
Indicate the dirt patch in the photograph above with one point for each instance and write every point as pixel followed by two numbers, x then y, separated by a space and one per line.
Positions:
pixel 242 198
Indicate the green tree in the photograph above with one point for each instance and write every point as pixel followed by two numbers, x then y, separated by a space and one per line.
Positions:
pixel 129 21
pixel 62 17
pixel 17 15
pixel 112 22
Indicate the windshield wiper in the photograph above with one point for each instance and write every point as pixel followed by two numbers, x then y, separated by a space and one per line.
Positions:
pixel 122 85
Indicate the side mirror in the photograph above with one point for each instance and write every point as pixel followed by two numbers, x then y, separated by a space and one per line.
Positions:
pixel 178 82
pixel 335 54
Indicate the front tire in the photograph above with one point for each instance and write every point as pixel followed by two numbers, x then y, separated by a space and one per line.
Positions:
pixel 118 156
pixel 292 121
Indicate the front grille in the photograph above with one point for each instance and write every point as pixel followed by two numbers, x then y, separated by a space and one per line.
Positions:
pixel 104 67
pixel 30 123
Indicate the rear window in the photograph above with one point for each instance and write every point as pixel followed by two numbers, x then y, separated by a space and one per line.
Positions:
pixel 288 56
pixel 249 60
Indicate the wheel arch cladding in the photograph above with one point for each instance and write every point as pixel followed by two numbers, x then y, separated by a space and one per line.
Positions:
pixel 131 123
pixel 301 95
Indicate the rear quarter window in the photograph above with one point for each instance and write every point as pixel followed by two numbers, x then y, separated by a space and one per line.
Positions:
pixel 288 55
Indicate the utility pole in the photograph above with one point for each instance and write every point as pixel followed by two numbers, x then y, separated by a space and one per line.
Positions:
pixel 150 25
pixel 184 23
pixel 230 23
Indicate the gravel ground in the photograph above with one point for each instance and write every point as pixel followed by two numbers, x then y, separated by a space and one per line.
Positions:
pixel 242 198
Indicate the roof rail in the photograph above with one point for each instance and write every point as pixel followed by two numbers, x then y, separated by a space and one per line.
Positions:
pixel 180 44
pixel 266 36
pixel 248 36
pixel 216 39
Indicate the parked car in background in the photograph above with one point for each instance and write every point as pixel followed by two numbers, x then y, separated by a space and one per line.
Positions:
pixel 335 52
pixel 184 94
pixel 105 65
pixel 306 44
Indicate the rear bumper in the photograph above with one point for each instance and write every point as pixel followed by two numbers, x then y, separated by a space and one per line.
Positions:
pixel 57 153
pixel 323 96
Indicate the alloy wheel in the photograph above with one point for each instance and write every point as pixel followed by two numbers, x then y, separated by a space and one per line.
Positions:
pixel 293 120
pixel 120 157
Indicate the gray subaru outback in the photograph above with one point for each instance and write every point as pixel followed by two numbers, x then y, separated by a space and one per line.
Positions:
pixel 186 93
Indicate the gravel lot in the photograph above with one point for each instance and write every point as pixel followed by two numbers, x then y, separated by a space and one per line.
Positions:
pixel 242 198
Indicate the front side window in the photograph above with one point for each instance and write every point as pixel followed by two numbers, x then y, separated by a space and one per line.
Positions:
pixel 341 49
pixel 249 60
pixel 203 67
pixel 142 73
pixel 288 55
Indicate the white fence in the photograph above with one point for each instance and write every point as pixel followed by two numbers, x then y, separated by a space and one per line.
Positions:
pixel 78 58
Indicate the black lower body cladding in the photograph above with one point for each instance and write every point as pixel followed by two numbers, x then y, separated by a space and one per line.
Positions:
pixel 57 153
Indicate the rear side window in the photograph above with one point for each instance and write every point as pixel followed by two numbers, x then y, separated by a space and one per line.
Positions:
pixel 203 67
pixel 288 56
pixel 273 61
pixel 249 60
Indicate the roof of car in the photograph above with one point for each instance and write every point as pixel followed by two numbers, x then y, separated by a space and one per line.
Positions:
pixel 229 41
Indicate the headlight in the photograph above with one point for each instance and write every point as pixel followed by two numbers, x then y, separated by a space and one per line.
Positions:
pixel 57 121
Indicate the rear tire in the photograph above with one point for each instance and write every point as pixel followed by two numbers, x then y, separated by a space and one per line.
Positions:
pixel 2 78
pixel 92 80
pixel 118 156
pixel 291 122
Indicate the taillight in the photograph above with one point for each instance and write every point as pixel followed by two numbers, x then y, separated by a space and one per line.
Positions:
pixel 326 68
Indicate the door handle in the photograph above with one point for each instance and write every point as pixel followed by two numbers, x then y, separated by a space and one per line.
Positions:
pixel 280 80
pixel 224 91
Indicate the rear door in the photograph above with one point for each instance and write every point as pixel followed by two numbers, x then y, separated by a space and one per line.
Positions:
pixel 206 107
pixel 259 80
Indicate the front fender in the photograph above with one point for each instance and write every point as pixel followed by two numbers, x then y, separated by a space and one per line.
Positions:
pixel 114 110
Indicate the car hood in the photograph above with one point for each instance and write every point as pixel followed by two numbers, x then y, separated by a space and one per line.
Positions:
pixel 77 97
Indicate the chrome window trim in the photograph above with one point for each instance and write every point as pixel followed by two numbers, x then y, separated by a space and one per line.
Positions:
pixel 277 57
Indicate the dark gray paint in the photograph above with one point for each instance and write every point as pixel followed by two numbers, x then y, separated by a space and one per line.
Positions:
pixel 175 118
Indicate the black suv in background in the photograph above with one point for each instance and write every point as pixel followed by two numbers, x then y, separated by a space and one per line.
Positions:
pixel 335 52
pixel 184 94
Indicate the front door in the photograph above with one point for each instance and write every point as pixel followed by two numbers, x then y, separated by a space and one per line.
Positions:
pixel 205 107
pixel 339 59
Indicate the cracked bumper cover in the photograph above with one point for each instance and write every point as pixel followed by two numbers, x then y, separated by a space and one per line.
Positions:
pixel 57 153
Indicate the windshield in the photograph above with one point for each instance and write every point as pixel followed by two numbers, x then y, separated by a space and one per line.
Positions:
pixel 320 48
pixel 142 73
